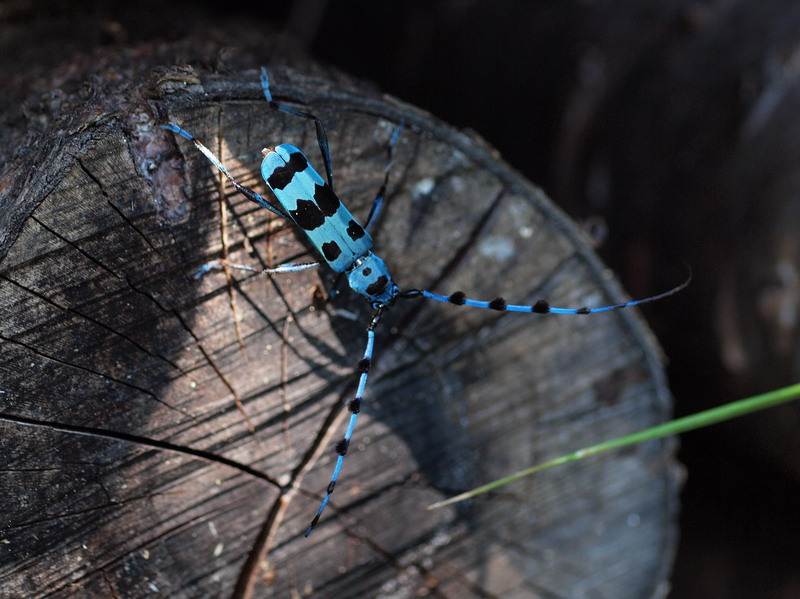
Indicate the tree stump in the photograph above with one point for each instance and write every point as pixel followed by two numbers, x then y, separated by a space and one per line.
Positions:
pixel 129 470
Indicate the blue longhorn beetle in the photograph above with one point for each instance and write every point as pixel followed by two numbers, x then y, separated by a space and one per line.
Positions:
pixel 346 247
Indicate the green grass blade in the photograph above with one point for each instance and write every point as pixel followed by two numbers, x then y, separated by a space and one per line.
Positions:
pixel 673 427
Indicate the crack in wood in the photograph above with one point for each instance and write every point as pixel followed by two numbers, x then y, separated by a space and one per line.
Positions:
pixel 201 454
pixel 127 384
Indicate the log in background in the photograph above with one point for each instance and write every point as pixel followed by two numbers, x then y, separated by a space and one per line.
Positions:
pixel 128 470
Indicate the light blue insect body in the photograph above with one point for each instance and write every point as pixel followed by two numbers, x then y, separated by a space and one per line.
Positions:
pixel 332 230
pixel 310 202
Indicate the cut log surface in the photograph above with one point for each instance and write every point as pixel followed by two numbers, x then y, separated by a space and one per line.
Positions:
pixel 128 470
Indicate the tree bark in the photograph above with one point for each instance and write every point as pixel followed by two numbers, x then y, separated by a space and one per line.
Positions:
pixel 129 471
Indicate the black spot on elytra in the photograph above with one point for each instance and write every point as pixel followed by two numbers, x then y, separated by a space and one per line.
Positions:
pixel 326 200
pixel 331 487
pixel 355 231
pixel 307 215
pixel 331 250
pixel 363 365
pixel 355 405
pixel 378 286
pixel 583 310
pixel 282 176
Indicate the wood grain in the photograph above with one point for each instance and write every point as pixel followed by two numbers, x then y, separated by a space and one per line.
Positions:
pixel 128 470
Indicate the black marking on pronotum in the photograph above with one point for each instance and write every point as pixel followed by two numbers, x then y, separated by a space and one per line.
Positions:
pixel 355 231
pixel 331 250
pixel 378 286
pixel 459 298
pixel 326 200
pixel 366 272
pixel 498 304
pixel 307 215
pixel 282 176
